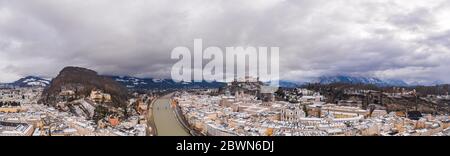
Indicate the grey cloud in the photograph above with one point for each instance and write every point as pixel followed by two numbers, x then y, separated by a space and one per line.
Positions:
pixel 382 38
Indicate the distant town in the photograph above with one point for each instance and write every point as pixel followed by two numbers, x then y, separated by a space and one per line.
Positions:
pixel 79 102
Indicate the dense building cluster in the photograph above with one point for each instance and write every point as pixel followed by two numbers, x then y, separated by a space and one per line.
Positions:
pixel 247 115
pixel 30 118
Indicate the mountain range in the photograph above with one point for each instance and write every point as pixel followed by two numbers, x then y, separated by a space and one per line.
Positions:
pixel 152 83
pixel 360 80
pixel 127 81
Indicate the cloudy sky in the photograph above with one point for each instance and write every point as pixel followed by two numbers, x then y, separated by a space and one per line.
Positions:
pixel 404 39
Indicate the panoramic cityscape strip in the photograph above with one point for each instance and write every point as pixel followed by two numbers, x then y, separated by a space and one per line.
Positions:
pixel 201 68
pixel 79 102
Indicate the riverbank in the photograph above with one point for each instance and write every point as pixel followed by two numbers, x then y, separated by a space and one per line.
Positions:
pixel 151 130
pixel 184 122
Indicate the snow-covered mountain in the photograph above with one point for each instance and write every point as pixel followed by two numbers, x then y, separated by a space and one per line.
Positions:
pixel 288 83
pixel 426 83
pixel 360 80
pixel 150 83
pixel 29 81
pixel 128 81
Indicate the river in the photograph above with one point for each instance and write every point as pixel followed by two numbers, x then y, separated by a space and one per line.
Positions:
pixel 165 119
